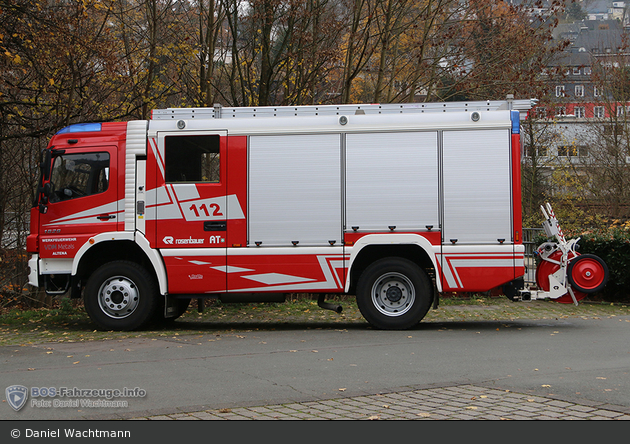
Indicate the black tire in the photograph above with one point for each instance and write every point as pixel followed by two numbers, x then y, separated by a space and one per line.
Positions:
pixel 394 294
pixel 587 273
pixel 121 295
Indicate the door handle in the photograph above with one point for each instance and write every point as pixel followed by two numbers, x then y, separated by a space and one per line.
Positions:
pixel 105 216
pixel 220 225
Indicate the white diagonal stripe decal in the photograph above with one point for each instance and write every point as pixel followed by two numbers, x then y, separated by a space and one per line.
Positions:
pixel 276 278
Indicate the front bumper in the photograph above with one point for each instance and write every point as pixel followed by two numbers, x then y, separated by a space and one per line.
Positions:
pixel 33 270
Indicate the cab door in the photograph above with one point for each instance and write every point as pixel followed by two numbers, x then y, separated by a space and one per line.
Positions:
pixel 82 201
pixel 191 210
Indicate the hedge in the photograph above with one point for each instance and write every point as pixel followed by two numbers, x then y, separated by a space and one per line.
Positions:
pixel 613 246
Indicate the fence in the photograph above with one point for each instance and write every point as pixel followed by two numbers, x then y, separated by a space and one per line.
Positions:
pixel 529 234
pixel 14 231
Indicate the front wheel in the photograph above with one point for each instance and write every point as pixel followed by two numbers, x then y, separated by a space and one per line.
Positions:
pixel 394 294
pixel 121 295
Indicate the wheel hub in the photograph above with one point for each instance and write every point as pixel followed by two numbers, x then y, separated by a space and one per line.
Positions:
pixel 118 297
pixel 393 294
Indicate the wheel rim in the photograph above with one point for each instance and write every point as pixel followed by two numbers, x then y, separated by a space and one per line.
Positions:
pixel 587 273
pixel 393 294
pixel 118 297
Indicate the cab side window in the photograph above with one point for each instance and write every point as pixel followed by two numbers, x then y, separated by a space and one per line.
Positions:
pixel 79 175
pixel 192 159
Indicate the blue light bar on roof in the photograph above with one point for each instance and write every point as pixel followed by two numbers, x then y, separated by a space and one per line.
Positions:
pixel 80 128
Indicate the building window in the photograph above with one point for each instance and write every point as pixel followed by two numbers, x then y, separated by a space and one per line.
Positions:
pixel 576 71
pixel 579 111
pixel 573 151
pixel 561 111
pixel 596 92
pixel 579 90
pixel 587 70
pixel 623 111
pixel 560 91
pixel 540 151
pixel 598 111
pixel 615 129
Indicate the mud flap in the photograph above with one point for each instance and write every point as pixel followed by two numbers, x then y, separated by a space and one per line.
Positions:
pixel 511 289
pixel 170 306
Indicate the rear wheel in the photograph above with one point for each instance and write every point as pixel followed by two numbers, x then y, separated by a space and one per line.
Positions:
pixel 394 294
pixel 121 295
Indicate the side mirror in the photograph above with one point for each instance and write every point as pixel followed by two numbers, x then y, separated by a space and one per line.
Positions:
pixel 47 190
pixel 43 202
pixel 46 158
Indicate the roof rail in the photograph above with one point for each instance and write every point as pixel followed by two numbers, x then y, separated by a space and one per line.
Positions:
pixel 221 112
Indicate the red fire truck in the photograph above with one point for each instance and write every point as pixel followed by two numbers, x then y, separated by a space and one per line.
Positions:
pixel 392 203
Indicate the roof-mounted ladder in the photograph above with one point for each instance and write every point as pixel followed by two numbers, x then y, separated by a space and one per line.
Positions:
pixel 220 112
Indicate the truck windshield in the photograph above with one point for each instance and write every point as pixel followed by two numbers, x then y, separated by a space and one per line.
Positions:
pixel 78 175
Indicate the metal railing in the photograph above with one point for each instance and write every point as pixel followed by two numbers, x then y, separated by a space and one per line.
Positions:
pixel 529 234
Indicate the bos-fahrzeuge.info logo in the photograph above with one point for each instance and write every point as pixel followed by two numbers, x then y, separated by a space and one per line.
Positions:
pixel 17 397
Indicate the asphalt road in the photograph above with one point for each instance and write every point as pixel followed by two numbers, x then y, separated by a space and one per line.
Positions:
pixel 573 359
